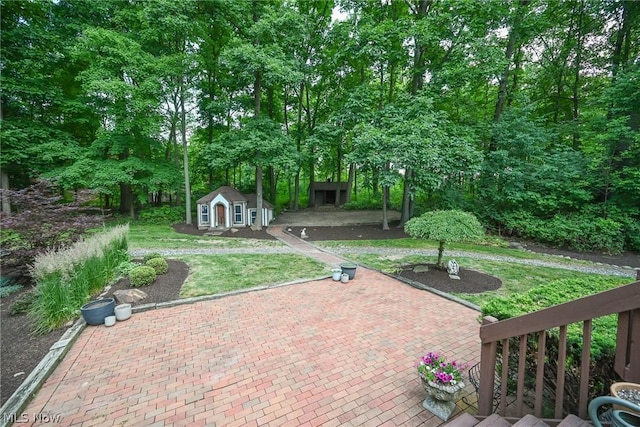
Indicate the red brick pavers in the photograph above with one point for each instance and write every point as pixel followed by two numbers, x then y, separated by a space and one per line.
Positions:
pixel 318 353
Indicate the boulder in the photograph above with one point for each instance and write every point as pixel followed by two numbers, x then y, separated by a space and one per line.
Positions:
pixel 129 296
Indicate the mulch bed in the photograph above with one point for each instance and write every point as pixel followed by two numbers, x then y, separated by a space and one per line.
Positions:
pixel 165 288
pixel 470 282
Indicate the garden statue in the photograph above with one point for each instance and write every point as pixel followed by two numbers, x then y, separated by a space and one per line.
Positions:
pixel 453 269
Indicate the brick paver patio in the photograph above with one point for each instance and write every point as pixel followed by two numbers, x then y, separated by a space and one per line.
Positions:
pixel 318 353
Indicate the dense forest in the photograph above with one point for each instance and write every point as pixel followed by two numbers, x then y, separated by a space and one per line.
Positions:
pixel 524 112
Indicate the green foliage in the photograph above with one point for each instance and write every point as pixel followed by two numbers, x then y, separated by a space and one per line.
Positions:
pixel 558 292
pixel 445 227
pixel 125 267
pixel 161 215
pixel 581 232
pixel 23 303
pixel 151 255
pixel 603 337
pixel 142 276
pixel 67 278
pixel 158 264
pixel 7 287
pixel 363 204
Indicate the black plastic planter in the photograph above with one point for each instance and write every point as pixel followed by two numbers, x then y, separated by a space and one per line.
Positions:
pixel 349 268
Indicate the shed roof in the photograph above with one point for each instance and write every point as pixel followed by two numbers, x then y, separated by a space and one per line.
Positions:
pixel 229 193
pixel 233 195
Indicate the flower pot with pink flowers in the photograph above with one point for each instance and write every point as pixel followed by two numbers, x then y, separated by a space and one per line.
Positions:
pixel 443 381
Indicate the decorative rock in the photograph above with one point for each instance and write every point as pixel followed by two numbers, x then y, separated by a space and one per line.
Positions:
pixel 303 234
pixel 234 230
pixel 516 245
pixel 129 296
pixel 454 277
pixel 420 269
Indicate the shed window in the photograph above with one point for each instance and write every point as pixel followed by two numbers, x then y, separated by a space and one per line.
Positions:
pixel 237 211
pixel 204 214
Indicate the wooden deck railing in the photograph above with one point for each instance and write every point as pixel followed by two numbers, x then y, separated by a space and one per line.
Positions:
pixel 532 331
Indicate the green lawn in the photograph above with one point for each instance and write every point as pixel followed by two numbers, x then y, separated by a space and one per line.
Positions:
pixel 163 236
pixel 210 274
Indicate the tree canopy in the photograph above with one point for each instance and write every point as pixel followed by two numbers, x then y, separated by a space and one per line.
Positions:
pixel 521 112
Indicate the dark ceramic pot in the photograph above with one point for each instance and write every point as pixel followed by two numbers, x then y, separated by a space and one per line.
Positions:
pixel 95 312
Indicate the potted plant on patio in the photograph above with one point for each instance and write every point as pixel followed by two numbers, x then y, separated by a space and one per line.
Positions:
pixel 442 380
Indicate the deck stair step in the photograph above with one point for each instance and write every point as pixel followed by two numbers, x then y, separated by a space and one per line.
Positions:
pixel 494 420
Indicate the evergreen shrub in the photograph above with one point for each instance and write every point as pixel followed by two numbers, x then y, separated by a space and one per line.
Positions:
pixel 158 264
pixel 142 276
pixel 151 255
pixel 7 287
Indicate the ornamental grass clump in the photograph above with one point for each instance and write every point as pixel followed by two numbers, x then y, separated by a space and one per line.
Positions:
pixel 66 278
pixel 435 368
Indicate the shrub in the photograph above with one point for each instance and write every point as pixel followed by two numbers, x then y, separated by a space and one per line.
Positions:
pixel 583 232
pixel 161 215
pixel 23 303
pixel 42 219
pixel 125 267
pixel 142 276
pixel 7 287
pixel 151 255
pixel 602 345
pixel 158 264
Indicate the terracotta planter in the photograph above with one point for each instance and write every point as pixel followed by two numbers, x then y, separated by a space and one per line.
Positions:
pixel 615 392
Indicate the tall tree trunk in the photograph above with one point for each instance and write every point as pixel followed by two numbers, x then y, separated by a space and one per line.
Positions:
pixel 421 10
pixel 4 184
pixel 385 200
pixel 296 203
pixel 185 155
pixel 257 225
pixel 504 78
pixel 405 215
pixel 576 77
pixel 339 178
pixel 417 83
pixel 257 92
